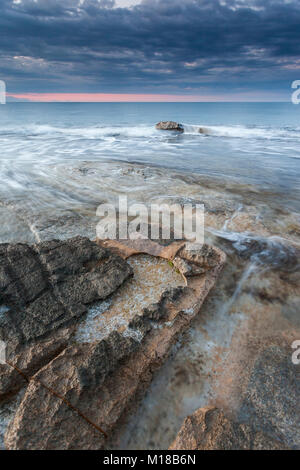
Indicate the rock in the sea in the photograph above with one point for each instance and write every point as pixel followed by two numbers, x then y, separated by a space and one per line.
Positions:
pixel 169 126
pixel 203 130
pixel 45 290
pixel 210 429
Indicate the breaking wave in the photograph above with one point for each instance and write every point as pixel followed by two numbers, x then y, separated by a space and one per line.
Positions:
pixel 92 132
pixel 28 142
pixel 241 132
pixel 36 131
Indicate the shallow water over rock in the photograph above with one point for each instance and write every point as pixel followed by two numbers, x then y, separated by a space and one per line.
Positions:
pixel 253 306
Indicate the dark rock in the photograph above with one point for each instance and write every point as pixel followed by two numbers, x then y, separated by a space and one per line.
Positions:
pixel 47 285
pixel 156 313
pixel 210 429
pixel 45 289
pixel 104 359
pixel 169 126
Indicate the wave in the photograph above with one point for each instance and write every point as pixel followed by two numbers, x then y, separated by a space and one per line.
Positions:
pixel 239 131
pixel 92 132
pixel 147 131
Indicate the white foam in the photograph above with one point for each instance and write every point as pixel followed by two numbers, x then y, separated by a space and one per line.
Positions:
pixel 40 131
pixel 238 131
pixel 89 132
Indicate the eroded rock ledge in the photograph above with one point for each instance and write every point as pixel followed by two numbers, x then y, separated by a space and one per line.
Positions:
pixel 79 390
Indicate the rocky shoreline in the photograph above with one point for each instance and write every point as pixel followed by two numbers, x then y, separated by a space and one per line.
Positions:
pixel 77 392
pixel 235 355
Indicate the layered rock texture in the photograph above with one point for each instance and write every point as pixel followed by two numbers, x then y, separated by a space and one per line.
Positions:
pixel 45 290
pixel 86 330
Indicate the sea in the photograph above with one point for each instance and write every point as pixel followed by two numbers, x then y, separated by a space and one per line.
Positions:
pixel 60 161
pixel 256 143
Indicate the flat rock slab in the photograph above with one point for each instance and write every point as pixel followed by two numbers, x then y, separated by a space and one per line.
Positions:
pixel 80 399
pixel 210 429
pixel 45 289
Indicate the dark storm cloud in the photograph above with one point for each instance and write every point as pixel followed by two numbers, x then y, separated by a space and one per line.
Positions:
pixel 172 46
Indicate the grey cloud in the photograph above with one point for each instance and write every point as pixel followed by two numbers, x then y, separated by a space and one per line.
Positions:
pixel 157 46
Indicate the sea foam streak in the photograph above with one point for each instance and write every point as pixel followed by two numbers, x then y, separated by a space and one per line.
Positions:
pixel 90 132
pixel 94 132
pixel 34 139
pixel 241 132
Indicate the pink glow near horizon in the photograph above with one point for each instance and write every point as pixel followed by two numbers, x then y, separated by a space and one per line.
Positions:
pixel 106 97
pixel 140 97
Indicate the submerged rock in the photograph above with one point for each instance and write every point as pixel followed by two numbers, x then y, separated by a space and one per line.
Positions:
pixel 203 130
pixel 265 414
pixel 271 398
pixel 210 429
pixel 169 126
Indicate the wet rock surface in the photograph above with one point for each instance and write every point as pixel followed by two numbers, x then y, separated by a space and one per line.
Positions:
pixel 169 126
pixel 267 415
pixel 79 399
pixel 254 307
pixel 193 263
pixel 210 429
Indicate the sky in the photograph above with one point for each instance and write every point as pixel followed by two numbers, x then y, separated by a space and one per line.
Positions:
pixel 149 50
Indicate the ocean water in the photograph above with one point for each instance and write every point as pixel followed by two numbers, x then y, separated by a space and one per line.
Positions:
pixel 58 162
pixel 62 157
pixel 256 143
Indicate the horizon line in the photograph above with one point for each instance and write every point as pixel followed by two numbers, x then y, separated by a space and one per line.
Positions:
pixel 131 98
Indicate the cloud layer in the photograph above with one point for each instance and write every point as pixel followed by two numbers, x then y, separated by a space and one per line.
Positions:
pixel 156 46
